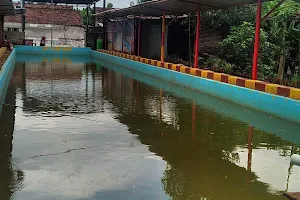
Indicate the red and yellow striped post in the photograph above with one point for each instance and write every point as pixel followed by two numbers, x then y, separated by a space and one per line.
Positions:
pixel 256 42
pixel 197 40
pixel 162 50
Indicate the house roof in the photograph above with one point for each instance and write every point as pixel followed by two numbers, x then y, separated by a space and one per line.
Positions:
pixel 41 14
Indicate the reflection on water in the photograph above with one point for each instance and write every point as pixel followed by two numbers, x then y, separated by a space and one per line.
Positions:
pixel 80 131
pixel 10 177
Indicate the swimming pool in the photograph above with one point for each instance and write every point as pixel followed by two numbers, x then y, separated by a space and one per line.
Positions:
pixel 84 128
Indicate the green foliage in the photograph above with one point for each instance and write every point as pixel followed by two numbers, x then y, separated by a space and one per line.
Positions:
pixel 142 1
pixel 237 49
pixel 223 19
pixel 295 80
pixel 279 42
pixel 86 19
pixel 230 17
pixel 284 31
pixel 218 65
pixel 110 5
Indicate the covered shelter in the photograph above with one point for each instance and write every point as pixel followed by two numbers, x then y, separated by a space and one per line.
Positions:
pixel 163 8
pixel 6 8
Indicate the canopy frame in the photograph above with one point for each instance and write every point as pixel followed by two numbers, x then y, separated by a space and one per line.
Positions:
pixel 155 9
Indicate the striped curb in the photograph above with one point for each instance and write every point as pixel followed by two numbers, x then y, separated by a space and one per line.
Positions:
pixel 280 90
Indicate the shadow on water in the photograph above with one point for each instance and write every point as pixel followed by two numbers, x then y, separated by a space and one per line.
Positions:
pixel 280 127
pixel 198 144
pixel 11 179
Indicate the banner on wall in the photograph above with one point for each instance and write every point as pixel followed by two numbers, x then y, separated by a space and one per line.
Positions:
pixel 119 31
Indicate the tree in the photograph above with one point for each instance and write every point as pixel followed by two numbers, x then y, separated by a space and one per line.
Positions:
pixel 86 19
pixel 237 48
pixel 142 1
pixel 283 26
pixel 110 5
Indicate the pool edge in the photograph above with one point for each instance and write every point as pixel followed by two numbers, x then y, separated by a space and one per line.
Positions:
pixel 279 106
pixel 5 75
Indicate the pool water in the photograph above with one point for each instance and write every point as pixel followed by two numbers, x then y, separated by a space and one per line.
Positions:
pixel 73 130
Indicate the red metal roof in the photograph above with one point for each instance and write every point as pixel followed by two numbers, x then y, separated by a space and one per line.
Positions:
pixel 41 14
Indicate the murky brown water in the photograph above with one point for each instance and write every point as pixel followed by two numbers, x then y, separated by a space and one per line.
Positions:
pixel 79 131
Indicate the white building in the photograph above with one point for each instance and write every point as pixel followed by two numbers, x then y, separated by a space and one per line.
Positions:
pixel 67 26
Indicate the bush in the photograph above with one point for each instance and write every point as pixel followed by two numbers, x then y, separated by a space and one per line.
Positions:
pixel 218 65
pixel 237 48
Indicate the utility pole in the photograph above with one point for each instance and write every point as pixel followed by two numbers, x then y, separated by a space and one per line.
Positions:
pixel 87 23
pixel 51 22
pixel 104 26
pixel 23 15
pixel 94 15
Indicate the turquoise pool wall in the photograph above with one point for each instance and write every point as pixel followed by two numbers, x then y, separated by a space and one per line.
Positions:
pixel 54 50
pixel 58 54
pixel 276 105
pixel 272 104
pixel 5 75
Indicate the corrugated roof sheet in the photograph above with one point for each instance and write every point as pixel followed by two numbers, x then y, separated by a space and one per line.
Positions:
pixel 172 7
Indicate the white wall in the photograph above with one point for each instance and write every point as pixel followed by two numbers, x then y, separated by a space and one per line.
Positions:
pixel 62 35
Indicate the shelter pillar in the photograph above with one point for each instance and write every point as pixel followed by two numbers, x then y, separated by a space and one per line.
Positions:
pixel 104 27
pixel 112 35
pixel 94 28
pixel 162 50
pixel 139 38
pixel 94 18
pixel 87 24
pixel 122 38
pixel 52 22
pixel 256 42
pixel 197 39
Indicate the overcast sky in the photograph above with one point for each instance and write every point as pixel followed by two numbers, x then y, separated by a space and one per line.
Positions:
pixel 117 3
